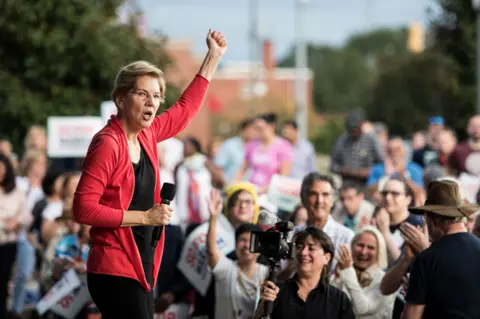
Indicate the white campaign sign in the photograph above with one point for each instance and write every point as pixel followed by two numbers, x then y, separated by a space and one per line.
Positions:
pixel 175 311
pixel 470 185
pixel 193 261
pixel 71 136
pixel 64 286
pixel 284 192
pixel 70 305
pixel 107 109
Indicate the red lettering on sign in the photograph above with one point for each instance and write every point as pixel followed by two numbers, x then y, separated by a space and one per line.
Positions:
pixel 66 301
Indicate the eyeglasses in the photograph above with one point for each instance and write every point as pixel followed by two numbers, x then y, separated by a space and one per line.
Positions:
pixel 393 193
pixel 247 202
pixel 144 95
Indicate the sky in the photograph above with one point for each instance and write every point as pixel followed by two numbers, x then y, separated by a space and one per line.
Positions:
pixel 324 21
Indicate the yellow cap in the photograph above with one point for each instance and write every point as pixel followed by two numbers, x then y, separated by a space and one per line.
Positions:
pixel 244 186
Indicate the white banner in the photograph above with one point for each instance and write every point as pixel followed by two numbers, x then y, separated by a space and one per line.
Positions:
pixel 470 185
pixel 70 305
pixel 107 109
pixel 71 136
pixel 175 311
pixel 194 263
pixel 64 286
pixel 284 192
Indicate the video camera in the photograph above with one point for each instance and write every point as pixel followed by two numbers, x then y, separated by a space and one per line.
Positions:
pixel 273 243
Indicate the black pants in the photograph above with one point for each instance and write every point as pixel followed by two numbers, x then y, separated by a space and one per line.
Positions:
pixel 7 258
pixel 120 297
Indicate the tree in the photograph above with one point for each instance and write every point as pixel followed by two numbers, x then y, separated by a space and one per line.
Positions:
pixel 343 77
pixel 60 58
pixel 411 89
pixel 454 34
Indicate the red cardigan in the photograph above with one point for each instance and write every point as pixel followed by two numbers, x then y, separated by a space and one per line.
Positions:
pixel 107 183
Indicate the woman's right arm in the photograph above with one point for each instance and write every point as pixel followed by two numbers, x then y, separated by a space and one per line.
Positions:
pixel 392 280
pixel 215 206
pixel 99 165
pixel 212 247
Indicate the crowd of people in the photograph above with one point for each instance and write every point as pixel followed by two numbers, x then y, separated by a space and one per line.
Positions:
pixel 357 241
pixel 389 232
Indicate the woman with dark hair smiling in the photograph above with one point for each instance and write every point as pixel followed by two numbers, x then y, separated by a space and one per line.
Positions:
pixel 13 217
pixel 308 294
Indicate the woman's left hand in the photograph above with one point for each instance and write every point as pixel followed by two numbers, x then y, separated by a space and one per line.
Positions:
pixel 216 42
pixel 345 257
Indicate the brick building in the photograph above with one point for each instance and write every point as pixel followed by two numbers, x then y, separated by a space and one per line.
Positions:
pixel 231 97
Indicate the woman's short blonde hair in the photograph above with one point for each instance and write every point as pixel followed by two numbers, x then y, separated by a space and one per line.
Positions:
pixel 127 77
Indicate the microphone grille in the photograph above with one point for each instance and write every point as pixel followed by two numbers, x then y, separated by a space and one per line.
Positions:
pixel 168 191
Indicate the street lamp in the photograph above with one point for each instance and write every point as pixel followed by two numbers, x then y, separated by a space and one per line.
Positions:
pixel 476 6
pixel 301 69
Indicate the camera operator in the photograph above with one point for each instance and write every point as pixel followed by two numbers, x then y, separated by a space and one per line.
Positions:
pixel 308 294
pixel 237 283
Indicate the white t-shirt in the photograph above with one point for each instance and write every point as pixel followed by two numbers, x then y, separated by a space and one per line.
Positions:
pixel 236 295
pixel 53 210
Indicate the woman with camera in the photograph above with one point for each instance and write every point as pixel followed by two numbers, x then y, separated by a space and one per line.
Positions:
pixel 237 283
pixel 308 294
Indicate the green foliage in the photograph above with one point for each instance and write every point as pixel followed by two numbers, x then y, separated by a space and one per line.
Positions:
pixel 454 30
pixel 410 90
pixel 343 76
pixel 326 135
pixel 61 57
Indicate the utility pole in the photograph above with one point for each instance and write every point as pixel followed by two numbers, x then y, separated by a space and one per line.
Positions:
pixel 301 65
pixel 254 51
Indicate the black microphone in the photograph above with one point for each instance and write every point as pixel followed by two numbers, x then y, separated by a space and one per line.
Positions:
pixel 167 194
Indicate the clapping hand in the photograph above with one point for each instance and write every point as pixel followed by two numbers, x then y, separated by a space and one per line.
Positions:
pixel 215 203
pixel 344 257
pixel 383 221
pixel 216 42
pixel 416 238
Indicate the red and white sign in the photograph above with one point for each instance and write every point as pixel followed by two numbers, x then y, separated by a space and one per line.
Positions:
pixel 71 136
pixel 194 259
pixel 284 192
pixel 68 283
pixel 70 305
pixel 175 311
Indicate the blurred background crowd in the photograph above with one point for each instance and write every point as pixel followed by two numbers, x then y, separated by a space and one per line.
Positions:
pixel 383 114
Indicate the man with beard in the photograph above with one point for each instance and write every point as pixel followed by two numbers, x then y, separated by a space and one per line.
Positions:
pixel 466 156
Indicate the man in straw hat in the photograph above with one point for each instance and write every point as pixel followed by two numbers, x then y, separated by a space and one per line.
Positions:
pixel 445 278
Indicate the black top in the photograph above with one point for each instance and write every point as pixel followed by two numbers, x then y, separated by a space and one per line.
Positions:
pixel 446 279
pixel 325 301
pixel 143 199
pixel 37 211
pixel 170 278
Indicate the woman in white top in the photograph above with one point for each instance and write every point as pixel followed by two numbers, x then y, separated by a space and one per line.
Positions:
pixel 237 283
pixel 360 272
